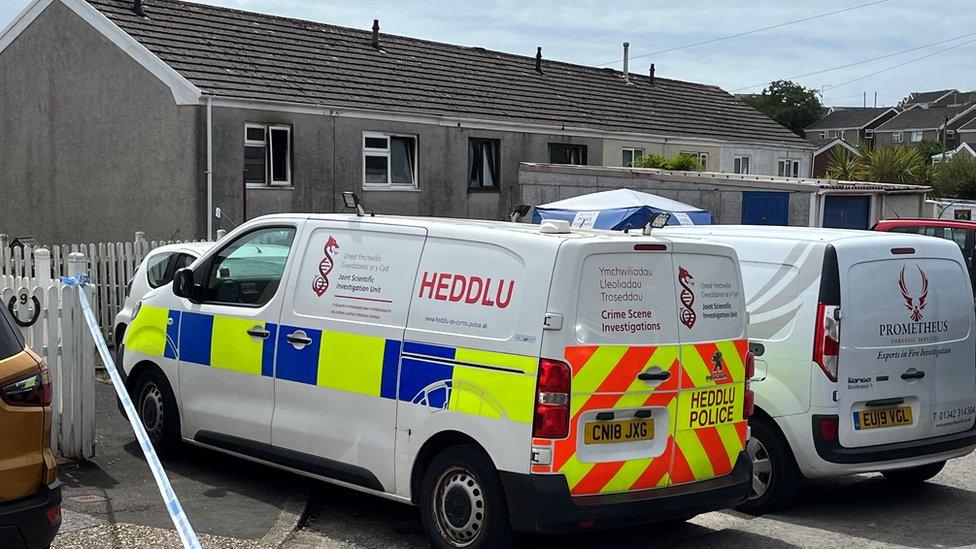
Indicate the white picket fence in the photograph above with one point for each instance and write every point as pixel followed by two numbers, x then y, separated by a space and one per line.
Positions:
pixel 49 316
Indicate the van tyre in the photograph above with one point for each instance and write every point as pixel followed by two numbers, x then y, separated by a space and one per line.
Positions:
pixel 462 502
pixel 154 400
pixel 914 475
pixel 776 479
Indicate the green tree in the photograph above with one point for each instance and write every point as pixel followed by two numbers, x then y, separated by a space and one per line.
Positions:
pixel 929 148
pixel 843 164
pixel 956 178
pixel 893 165
pixel 788 103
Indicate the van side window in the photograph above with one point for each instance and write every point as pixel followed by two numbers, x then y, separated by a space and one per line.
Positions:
pixel 248 271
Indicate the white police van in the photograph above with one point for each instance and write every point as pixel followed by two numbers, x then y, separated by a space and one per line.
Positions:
pixel 503 377
pixel 864 354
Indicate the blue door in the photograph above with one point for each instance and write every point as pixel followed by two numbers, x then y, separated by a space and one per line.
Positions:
pixel 765 208
pixel 847 212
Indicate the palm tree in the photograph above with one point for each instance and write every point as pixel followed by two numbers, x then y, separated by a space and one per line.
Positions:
pixel 893 165
pixel 842 165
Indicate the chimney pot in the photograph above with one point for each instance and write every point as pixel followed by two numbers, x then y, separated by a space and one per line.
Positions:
pixel 652 74
pixel 137 8
pixel 538 60
pixel 376 34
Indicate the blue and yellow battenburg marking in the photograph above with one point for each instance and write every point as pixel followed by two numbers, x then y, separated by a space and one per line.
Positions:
pixel 481 383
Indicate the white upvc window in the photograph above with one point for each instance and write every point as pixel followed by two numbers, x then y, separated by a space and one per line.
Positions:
pixel 630 155
pixel 832 134
pixel 740 164
pixel 897 137
pixel 823 134
pixel 389 161
pixel 267 155
pixel 916 137
pixel 788 168
pixel 701 156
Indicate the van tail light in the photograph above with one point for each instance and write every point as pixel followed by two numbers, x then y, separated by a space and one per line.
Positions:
pixel 828 428
pixel 552 400
pixel 749 401
pixel 33 390
pixel 826 343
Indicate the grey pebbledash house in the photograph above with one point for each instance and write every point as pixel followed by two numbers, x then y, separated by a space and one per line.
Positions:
pixel 119 115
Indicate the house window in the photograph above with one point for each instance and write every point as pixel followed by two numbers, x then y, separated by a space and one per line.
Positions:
pixel 702 157
pixel 916 137
pixel 483 161
pixel 267 155
pixel 823 135
pixel 896 137
pixel 563 153
pixel 630 156
pixel 740 164
pixel 788 168
pixel 869 134
pixel 389 161
pixel 832 134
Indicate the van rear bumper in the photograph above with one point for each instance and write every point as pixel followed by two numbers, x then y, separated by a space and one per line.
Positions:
pixel 25 524
pixel 833 452
pixel 543 504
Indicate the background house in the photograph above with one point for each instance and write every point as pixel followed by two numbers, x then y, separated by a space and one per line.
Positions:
pixel 918 123
pixel 116 120
pixel 936 98
pixel 849 124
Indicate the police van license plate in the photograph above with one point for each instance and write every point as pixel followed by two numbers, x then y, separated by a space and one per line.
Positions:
pixel 882 417
pixel 631 430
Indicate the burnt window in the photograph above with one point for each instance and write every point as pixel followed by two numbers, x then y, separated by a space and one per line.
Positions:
pixel 267 155
pixel 564 153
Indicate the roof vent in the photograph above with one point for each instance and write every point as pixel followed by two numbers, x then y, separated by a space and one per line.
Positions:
pixel 554 226
pixel 538 61
pixel 137 8
pixel 376 34
pixel 652 74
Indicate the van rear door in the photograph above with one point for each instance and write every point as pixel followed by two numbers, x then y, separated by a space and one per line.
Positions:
pixel 620 339
pixel 906 357
pixel 710 428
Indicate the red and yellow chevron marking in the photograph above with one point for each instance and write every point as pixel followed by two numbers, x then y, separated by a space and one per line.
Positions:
pixel 709 437
pixel 605 378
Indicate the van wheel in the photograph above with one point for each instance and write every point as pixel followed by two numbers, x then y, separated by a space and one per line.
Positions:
pixel 157 409
pixel 462 503
pixel 775 477
pixel 914 475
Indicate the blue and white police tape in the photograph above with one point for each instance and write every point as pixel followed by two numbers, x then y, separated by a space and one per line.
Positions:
pixel 187 535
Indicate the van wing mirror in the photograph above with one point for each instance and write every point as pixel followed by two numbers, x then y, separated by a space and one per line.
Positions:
pixel 183 283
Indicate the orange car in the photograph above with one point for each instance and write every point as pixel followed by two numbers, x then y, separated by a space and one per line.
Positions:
pixel 30 493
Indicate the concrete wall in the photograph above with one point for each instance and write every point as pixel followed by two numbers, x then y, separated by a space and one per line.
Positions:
pixel 94 146
pixel 765 161
pixel 328 159
pixel 725 202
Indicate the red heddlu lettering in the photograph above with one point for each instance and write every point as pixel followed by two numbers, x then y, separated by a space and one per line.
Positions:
pixel 470 289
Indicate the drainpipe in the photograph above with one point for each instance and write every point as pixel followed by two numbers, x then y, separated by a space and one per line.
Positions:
pixel 210 207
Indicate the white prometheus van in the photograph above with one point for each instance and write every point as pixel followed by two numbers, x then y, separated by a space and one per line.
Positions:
pixel 864 354
pixel 502 377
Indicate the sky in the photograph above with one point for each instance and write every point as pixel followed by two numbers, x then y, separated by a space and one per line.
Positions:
pixel 592 33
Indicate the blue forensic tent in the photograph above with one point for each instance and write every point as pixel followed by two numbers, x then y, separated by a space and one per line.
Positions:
pixel 618 210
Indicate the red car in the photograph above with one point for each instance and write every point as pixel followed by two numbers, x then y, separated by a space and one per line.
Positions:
pixel 961 232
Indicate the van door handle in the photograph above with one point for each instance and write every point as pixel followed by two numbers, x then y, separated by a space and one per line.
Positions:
pixel 917 374
pixel 259 332
pixel 654 376
pixel 884 402
pixel 299 339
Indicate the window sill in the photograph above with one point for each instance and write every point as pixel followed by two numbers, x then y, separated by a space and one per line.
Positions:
pixel 251 187
pixel 483 190
pixel 391 189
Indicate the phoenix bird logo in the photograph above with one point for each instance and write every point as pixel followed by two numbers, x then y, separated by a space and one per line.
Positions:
pixel 910 302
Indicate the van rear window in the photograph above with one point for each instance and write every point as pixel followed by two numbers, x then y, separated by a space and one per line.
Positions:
pixel 627 298
pixel 11 340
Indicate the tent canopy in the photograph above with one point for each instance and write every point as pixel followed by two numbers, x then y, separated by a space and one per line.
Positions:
pixel 618 210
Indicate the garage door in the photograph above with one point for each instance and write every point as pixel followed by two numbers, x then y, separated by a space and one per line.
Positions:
pixel 847 212
pixel 765 208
